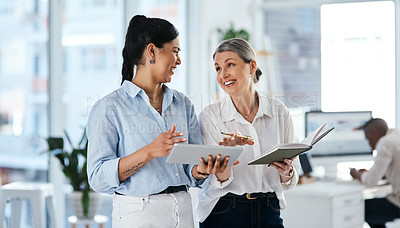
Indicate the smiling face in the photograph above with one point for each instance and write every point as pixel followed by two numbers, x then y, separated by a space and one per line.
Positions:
pixel 167 60
pixel 233 74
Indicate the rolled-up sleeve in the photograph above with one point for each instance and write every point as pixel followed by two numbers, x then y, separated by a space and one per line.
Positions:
pixel 102 164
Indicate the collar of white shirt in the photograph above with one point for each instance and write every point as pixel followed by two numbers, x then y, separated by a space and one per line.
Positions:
pixel 232 114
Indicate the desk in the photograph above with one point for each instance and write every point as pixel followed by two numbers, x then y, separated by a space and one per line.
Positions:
pixel 98 219
pixel 325 204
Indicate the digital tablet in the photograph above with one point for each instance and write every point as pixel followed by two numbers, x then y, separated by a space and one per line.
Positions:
pixel 191 153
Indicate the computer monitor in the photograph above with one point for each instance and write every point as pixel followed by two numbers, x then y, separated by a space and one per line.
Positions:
pixel 343 140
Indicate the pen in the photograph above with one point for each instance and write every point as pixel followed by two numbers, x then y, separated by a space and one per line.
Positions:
pixel 239 136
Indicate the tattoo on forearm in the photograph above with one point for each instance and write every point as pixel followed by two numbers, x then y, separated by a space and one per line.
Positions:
pixel 134 169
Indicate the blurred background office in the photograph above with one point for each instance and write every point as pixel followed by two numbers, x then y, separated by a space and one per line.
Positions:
pixel 57 58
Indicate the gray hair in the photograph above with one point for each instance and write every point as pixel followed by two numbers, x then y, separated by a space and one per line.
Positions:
pixel 243 49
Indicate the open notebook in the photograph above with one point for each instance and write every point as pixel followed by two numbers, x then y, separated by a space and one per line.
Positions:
pixel 290 150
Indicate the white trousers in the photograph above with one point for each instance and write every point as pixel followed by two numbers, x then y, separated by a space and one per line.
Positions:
pixel 162 210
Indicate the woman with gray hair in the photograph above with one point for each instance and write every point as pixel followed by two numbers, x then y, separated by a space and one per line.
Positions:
pixel 245 195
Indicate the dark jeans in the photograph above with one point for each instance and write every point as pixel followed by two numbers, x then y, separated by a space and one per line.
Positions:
pixel 379 211
pixel 240 212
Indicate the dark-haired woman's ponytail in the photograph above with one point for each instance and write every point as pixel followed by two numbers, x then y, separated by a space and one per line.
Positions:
pixel 127 66
pixel 138 19
pixel 135 44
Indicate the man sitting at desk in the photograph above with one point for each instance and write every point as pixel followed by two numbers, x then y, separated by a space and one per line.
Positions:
pixel 386 141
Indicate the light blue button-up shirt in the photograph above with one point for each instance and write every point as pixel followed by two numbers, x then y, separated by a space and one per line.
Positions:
pixel 123 122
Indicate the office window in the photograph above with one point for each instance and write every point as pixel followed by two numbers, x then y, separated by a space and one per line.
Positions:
pixel 23 89
pixel 358 58
pixel 92 38
pixel 175 12
pixel 322 61
pixel 6 7
pixel 333 63
pixel 293 72
pixel 97 60
pixel 91 4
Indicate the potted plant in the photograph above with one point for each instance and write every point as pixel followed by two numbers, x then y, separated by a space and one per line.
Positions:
pixel 83 200
pixel 231 32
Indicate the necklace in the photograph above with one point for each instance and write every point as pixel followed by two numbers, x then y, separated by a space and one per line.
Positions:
pixel 254 107
pixel 158 103
pixel 248 114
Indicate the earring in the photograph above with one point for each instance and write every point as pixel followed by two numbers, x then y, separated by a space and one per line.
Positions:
pixel 151 61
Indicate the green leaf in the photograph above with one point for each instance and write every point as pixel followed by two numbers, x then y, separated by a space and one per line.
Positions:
pixel 231 32
pixel 61 157
pixel 85 202
pixel 55 143
pixel 68 139
pixel 82 152
pixel 74 164
pixel 83 139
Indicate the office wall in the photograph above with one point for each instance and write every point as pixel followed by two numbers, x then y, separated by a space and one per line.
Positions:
pixel 290 74
pixel 205 17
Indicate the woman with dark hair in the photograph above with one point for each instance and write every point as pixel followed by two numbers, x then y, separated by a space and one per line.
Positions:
pixel 248 195
pixel 133 129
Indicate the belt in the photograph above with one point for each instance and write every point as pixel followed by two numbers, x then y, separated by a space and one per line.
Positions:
pixel 170 189
pixel 252 196
pixel 173 189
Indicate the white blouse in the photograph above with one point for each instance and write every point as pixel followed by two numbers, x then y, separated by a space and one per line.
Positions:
pixel 272 125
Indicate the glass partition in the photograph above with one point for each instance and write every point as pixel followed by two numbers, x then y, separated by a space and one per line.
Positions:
pixel 23 90
pixel 358 58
